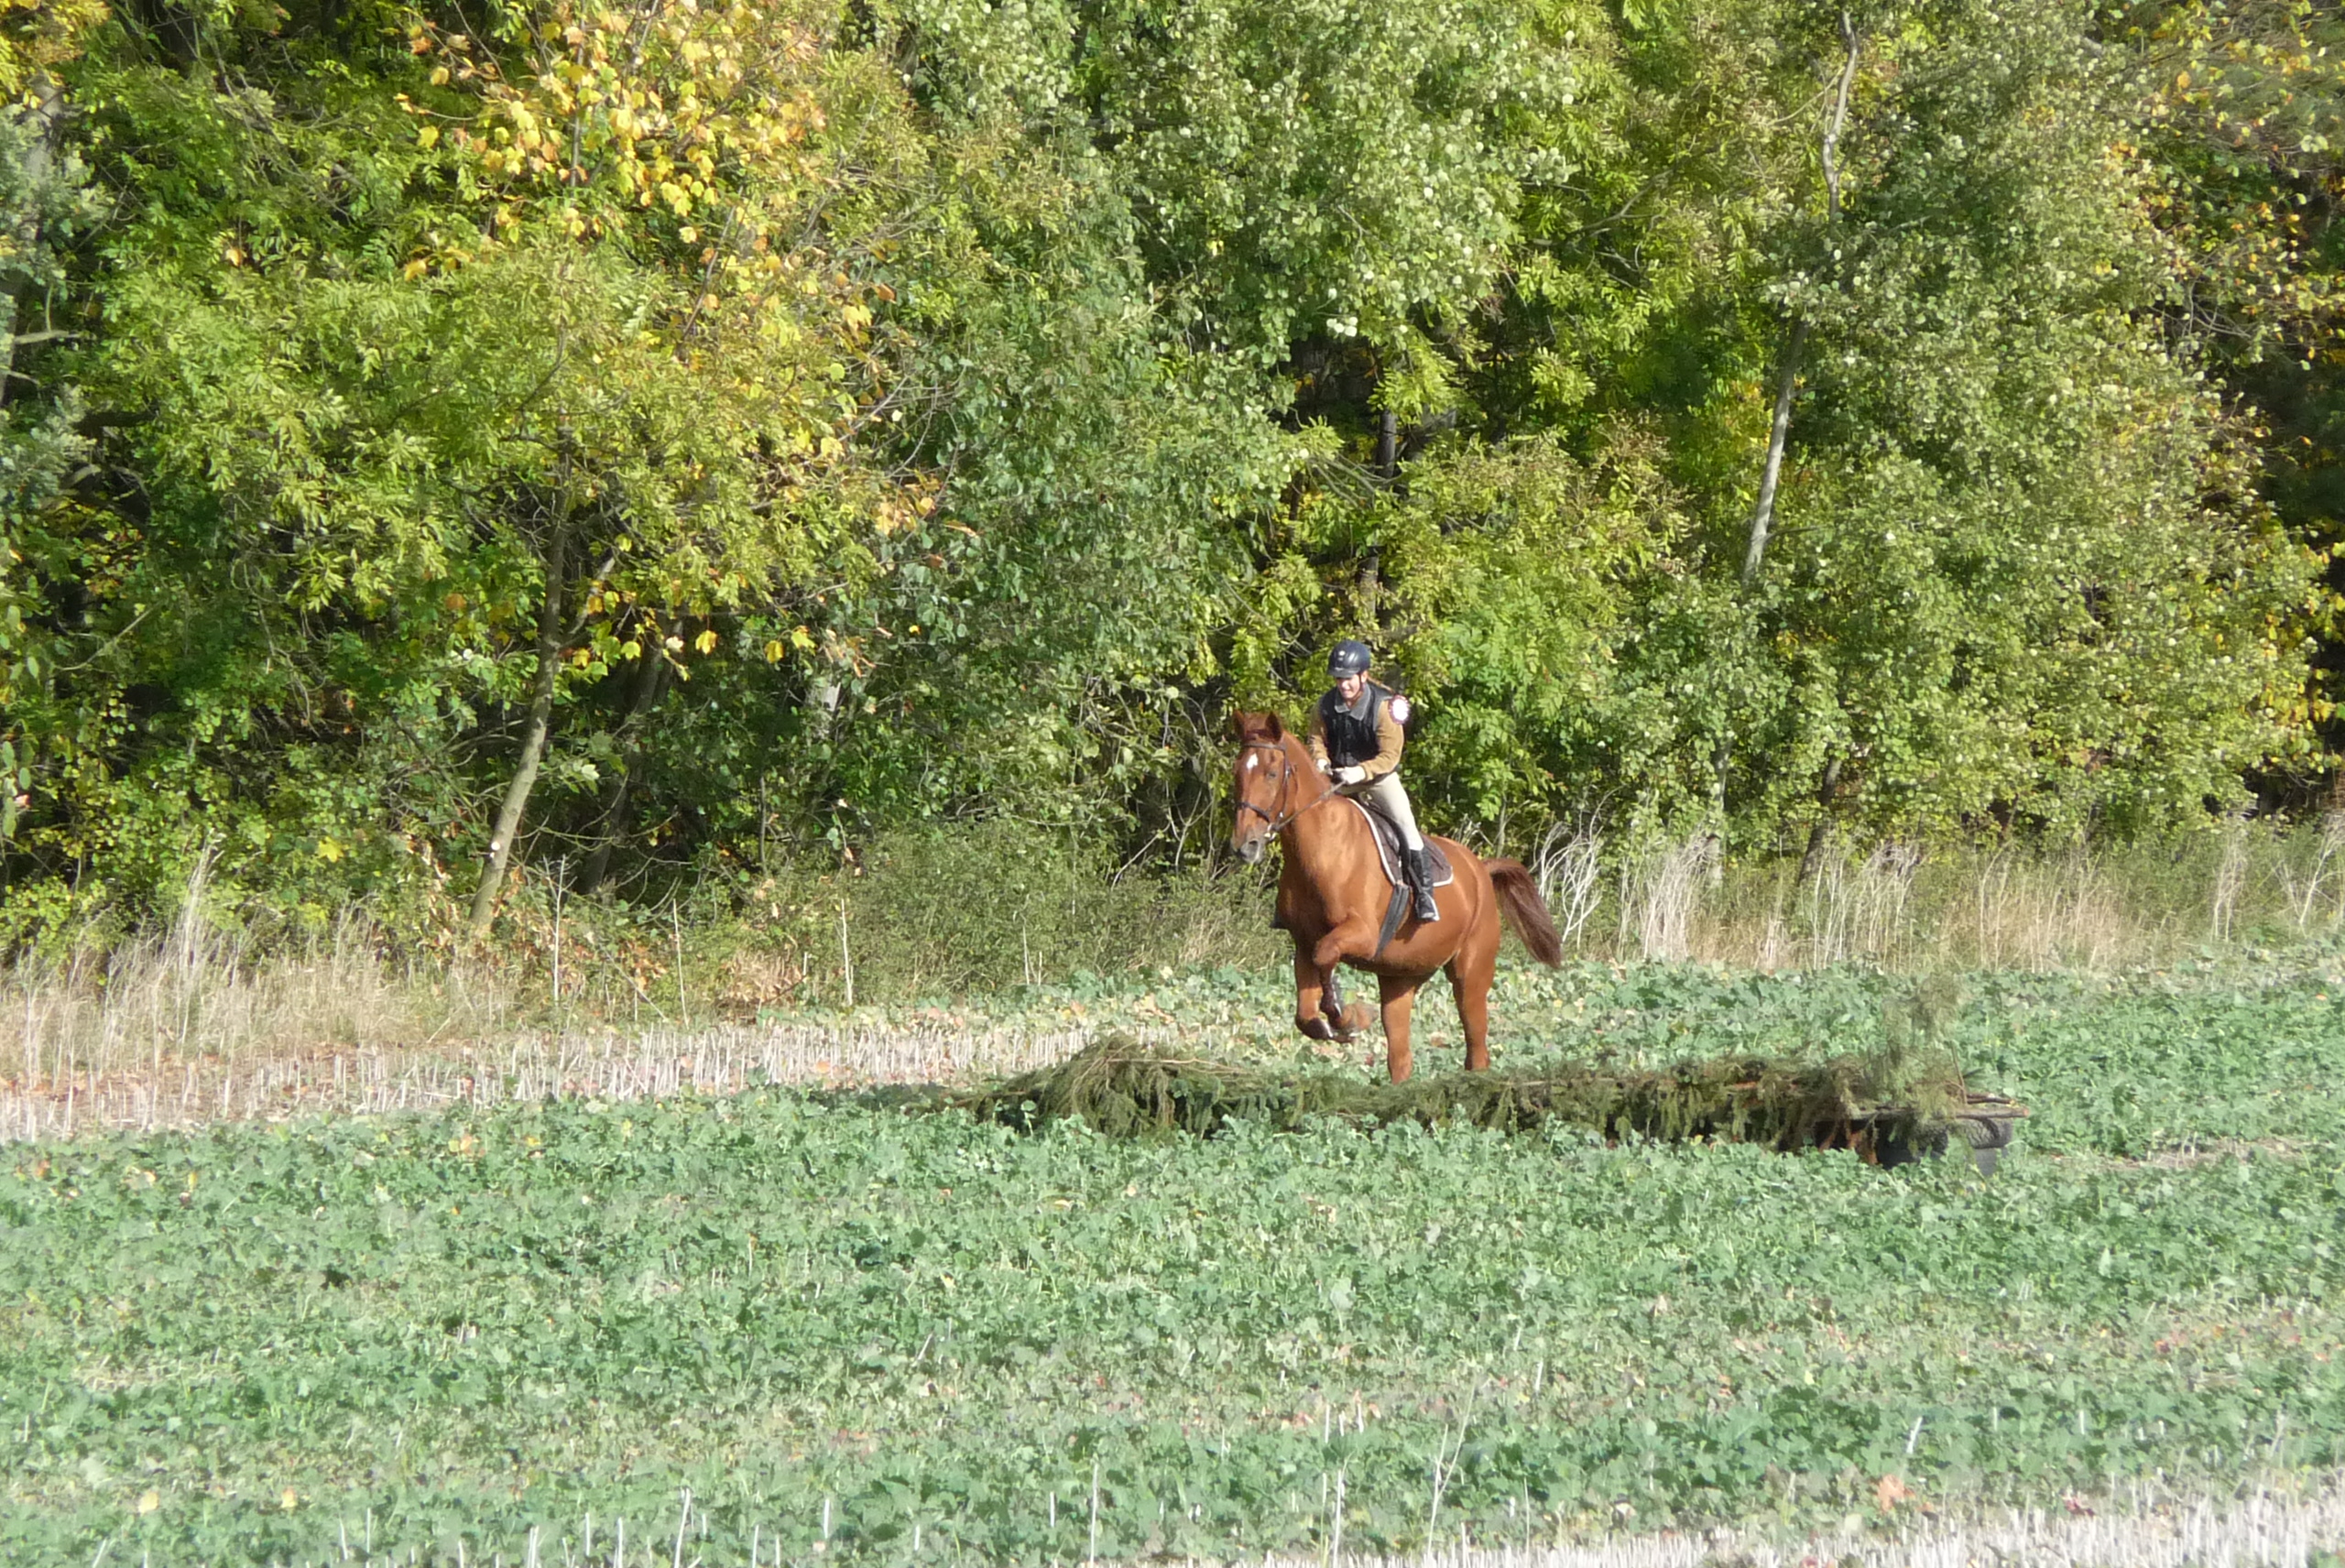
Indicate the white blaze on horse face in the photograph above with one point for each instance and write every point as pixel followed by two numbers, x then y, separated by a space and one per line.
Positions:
pixel 1248 835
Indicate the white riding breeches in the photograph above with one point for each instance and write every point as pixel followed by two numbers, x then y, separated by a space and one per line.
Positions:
pixel 1388 797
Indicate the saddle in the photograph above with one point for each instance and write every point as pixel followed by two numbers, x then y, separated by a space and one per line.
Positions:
pixel 1388 848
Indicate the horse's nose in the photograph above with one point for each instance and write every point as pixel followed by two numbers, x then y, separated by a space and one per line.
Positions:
pixel 1250 852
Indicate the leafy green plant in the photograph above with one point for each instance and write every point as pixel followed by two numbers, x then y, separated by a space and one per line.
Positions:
pixel 839 1324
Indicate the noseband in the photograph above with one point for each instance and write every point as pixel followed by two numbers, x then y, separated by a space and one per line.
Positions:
pixel 1286 777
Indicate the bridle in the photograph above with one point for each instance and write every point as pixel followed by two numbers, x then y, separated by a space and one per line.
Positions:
pixel 1286 777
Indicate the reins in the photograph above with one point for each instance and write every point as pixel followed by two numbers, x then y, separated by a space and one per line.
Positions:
pixel 1286 777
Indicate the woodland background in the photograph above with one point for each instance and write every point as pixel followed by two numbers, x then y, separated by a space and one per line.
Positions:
pixel 460 456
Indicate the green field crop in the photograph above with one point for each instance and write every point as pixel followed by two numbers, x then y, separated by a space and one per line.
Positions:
pixel 898 1338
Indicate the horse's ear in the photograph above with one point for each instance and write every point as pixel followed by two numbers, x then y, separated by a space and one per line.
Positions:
pixel 1256 726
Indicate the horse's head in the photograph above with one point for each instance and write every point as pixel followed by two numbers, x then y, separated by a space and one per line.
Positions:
pixel 1264 784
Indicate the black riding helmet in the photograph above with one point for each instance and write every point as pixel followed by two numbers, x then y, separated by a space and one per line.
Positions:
pixel 1350 656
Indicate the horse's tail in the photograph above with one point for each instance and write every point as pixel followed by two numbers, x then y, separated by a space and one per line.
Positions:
pixel 1520 902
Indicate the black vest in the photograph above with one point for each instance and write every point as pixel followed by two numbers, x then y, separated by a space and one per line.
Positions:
pixel 1352 740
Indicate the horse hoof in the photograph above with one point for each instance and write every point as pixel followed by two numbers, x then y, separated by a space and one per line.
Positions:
pixel 1316 1029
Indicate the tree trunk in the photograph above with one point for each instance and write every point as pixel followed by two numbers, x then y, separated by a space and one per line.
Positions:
pixel 551 636
pixel 1370 581
pixel 43 121
pixel 1821 833
pixel 650 684
pixel 1762 513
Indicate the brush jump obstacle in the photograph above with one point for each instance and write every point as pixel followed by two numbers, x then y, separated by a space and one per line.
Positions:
pixel 1125 1088
pixel 1341 906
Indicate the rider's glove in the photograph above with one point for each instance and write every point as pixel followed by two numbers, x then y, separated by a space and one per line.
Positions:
pixel 1351 775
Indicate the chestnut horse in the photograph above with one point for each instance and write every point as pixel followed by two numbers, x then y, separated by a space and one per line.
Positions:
pixel 1333 896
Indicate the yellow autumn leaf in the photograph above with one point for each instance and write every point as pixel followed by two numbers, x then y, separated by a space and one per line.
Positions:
pixel 149 1500
pixel 426 135
pixel 291 1498
pixel 706 642
pixel 775 651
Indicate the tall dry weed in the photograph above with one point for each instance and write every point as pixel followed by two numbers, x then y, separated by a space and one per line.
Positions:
pixel 2026 912
pixel 1569 869
pixel 1899 906
pixel 1661 888
pixel 2230 878
pixel 1854 909
pixel 190 997
pixel 2317 886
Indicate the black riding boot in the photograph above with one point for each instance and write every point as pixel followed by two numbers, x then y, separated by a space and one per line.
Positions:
pixel 1420 873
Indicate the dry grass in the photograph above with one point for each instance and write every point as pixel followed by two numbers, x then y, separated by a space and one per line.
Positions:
pixel 1901 907
pixel 185 1049
pixel 1661 894
pixel 2274 1525
pixel 651 1063
pixel 188 1003
pixel 2286 1528
pixel 187 1028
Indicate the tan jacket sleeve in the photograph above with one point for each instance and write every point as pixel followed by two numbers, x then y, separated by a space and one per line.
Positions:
pixel 1318 740
pixel 1390 737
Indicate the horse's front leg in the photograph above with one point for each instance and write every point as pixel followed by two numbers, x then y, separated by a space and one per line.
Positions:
pixel 1311 1015
pixel 1348 1021
pixel 1326 953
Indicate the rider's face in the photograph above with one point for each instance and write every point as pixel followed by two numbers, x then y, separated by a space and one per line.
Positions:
pixel 1347 687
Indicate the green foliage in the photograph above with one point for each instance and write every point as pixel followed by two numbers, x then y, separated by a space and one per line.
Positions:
pixel 471 1324
pixel 2002 495
pixel 647 435
pixel 2241 141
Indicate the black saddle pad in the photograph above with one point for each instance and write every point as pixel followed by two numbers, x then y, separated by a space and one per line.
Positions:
pixel 1388 847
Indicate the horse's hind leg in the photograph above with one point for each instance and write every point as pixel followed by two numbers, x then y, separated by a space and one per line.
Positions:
pixel 1399 995
pixel 1470 973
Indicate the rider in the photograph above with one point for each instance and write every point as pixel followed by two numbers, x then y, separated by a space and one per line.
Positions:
pixel 1356 737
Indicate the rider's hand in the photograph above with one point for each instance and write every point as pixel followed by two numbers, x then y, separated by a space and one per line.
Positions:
pixel 1351 775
